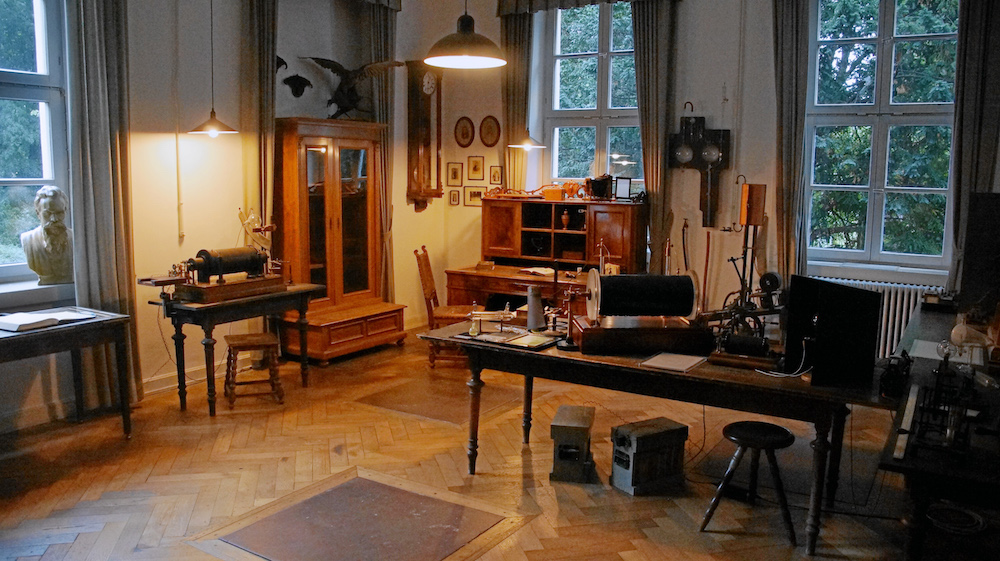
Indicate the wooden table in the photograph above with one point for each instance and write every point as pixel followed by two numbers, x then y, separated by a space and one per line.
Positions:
pixel 972 476
pixel 717 386
pixel 294 297
pixel 102 329
pixel 473 284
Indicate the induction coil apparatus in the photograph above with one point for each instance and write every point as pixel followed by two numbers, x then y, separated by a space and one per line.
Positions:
pixel 640 295
pixel 642 313
pixel 208 262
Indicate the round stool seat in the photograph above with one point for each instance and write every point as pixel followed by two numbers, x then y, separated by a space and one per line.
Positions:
pixel 756 434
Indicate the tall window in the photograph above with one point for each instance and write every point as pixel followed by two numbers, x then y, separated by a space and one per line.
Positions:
pixel 32 119
pixel 879 131
pixel 591 116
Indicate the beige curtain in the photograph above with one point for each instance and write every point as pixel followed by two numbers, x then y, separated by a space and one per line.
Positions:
pixel 977 114
pixel 102 229
pixel 515 41
pixel 383 47
pixel 653 24
pixel 257 68
pixel 791 62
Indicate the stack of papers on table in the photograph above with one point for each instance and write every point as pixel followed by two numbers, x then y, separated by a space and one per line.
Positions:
pixel 673 362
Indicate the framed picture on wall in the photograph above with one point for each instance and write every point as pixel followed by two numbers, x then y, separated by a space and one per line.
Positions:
pixel 474 195
pixel 496 175
pixel 454 174
pixel 454 197
pixel 476 171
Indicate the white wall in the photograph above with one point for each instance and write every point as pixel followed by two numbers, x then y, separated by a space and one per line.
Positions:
pixel 732 87
pixel 451 233
pixel 186 189
pixel 170 94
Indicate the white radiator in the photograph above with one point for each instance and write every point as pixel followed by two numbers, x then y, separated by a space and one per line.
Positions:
pixel 898 302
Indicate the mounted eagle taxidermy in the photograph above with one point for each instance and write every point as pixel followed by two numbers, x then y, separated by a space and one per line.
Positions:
pixel 346 96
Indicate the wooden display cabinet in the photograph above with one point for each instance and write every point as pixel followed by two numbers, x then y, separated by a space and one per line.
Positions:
pixel 535 231
pixel 326 197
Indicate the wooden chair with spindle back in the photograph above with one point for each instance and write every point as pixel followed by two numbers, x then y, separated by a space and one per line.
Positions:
pixel 438 315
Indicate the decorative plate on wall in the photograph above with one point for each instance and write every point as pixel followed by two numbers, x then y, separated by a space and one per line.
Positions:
pixel 465 132
pixel 489 131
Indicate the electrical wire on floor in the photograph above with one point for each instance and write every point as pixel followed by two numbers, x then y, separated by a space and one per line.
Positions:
pixel 704 438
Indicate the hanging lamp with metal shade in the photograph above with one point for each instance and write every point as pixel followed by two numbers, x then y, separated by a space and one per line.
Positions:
pixel 465 49
pixel 527 145
pixel 213 127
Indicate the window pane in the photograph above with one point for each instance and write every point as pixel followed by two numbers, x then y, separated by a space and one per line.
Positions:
pixel 914 223
pixel 838 219
pixel 924 17
pixel 17 215
pixel 841 19
pixel 623 92
pixel 919 156
pixel 577 83
pixel 621 27
pixel 846 74
pixel 20 139
pixel 575 149
pixel 17 36
pixel 578 30
pixel 924 71
pixel 842 155
pixel 626 144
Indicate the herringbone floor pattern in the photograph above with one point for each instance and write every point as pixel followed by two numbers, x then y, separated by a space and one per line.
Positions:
pixel 80 492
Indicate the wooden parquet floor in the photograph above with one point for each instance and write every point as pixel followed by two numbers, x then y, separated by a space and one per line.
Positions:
pixel 80 492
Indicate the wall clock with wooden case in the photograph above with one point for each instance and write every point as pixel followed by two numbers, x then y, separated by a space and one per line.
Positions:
pixel 327 194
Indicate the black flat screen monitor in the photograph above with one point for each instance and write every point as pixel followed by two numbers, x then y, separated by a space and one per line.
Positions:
pixel 839 325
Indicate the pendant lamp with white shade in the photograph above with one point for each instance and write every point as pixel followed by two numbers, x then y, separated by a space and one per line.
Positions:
pixel 213 127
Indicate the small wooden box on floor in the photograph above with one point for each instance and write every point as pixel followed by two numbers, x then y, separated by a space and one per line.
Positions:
pixel 571 457
pixel 648 456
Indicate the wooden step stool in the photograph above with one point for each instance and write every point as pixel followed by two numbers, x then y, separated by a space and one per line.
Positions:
pixel 264 342
pixel 571 457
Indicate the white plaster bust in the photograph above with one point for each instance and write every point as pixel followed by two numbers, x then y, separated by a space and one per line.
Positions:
pixel 49 247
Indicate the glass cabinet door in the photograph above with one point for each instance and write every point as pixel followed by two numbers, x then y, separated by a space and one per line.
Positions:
pixel 354 211
pixel 316 182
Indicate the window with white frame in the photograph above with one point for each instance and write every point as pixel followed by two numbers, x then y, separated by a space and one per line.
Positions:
pixel 33 142
pixel 878 132
pixel 591 112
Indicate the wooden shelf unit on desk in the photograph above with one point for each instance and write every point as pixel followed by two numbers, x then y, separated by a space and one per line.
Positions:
pixel 529 231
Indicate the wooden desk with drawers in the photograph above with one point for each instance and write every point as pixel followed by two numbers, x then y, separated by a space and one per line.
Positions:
pixel 474 284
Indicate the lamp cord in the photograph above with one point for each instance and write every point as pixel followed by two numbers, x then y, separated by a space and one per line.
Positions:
pixel 211 42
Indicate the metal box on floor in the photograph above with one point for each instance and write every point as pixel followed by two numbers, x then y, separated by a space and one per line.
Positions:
pixel 648 456
pixel 571 457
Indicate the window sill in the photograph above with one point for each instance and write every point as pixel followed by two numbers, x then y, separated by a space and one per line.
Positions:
pixel 877 273
pixel 27 295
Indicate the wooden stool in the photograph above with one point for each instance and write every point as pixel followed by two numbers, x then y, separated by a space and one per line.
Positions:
pixel 756 436
pixel 268 344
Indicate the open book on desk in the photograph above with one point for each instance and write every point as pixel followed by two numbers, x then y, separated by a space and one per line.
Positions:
pixel 538 271
pixel 24 321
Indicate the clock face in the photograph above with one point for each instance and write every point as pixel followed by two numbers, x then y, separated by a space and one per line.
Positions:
pixel 430 83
